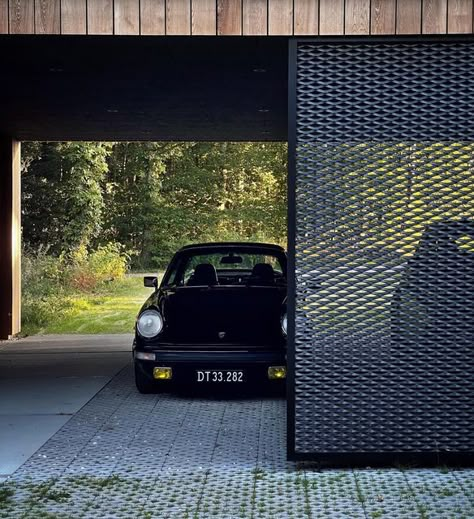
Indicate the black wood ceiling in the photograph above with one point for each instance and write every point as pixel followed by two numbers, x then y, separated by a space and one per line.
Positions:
pixel 147 88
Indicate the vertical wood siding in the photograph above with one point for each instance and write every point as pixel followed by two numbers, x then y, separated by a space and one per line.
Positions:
pixel 178 17
pixel 383 16
pixel 435 17
pixel 229 17
pixel 47 17
pixel 460 13
pixel 152 17
pixel 306 17
pixel 255 17
pixel 22 16
pixel 357 17
pixel 237 17
pixel 127 17
pixel 408 16
pixel 280 17
pixel 331 17
pixel 100 17
pixel 204 17
pixel 3 16
pixel 73 17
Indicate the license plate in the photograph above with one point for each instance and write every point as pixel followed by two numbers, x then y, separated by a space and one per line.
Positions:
pixel 220 375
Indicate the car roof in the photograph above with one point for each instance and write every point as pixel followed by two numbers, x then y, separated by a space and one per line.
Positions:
pixel 233 244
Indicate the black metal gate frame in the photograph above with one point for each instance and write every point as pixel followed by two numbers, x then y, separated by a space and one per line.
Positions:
pixel 340 459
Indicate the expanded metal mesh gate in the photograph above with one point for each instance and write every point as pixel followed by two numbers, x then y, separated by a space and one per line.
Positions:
pixel 383 166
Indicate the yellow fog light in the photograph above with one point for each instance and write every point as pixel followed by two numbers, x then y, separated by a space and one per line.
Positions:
pixel 162 373
pixel 275 372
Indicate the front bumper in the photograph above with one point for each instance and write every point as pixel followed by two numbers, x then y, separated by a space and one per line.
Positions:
pixel 185 364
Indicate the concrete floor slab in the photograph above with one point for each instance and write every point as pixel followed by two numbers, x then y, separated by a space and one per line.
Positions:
pixel 55 396
pixel 45 380
pixel 22 435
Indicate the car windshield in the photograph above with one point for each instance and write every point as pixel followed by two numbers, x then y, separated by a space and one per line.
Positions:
pixel 227 266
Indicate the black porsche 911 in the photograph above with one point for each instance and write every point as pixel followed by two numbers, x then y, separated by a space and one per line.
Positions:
pixel 217 318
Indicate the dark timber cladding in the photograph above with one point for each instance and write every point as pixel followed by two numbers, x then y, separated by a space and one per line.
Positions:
pixel 236 17
pixel 382 214
pixel 144 88
pixel 10 215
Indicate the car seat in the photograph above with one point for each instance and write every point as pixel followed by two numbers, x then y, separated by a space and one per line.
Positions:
pixel 204 274
pixel 262 274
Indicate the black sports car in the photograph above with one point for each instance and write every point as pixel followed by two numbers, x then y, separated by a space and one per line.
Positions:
pixel 218 317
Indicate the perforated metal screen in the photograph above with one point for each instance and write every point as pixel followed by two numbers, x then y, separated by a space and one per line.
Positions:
pixel 384 248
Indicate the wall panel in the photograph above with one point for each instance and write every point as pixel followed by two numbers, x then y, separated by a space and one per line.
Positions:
pixel 229 17
pixel 152 17
pixel 408 17
pixel 435 17
pixel 73 17
pixel 100 17
pixel 331 17
pixel 306 17
pixel 255 17
pixel 280 17
pixel 383 16
pixel 204 17
pixel 47 17
pixel 357 17
pixel 178 17
pixel 127 17
pixel 22 16
pixel 3 16
pixel 237 17
pixel 460 16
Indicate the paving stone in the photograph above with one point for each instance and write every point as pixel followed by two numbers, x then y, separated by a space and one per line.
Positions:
pixel 131 456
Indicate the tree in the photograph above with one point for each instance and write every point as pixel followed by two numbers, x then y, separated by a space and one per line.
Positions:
pixel 62 194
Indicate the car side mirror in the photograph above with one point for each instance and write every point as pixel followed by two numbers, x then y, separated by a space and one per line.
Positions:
pixel 150 281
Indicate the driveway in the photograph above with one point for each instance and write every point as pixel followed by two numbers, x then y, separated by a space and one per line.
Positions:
pixel 127 455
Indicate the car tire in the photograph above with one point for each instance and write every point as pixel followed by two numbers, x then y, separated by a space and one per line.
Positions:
pixel 144 384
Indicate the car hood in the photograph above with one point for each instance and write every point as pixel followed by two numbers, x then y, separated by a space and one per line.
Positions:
pixel 221 315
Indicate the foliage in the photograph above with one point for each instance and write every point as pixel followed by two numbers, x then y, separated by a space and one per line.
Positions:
pixel 44 296
pixel 158 196
pixel 50 284
pixel 222 191
pixel 89 269
pixel 62 197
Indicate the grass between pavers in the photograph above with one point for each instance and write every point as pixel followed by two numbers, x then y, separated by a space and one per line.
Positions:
pixel 328 493
pixel 112 309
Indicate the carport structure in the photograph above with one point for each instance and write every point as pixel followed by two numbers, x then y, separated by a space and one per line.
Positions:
pixel 378 90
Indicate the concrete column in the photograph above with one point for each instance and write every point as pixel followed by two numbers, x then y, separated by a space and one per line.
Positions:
pixel 10 238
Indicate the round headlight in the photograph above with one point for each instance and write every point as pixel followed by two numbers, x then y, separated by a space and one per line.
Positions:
pixel 284 324
pixel 149 324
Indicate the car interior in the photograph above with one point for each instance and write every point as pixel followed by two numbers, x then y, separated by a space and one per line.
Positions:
pixel 262 274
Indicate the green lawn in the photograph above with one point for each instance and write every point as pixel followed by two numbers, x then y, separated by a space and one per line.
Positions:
pixel 112 310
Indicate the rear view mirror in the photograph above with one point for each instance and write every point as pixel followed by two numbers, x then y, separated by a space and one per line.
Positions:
pixel 231 260
pixel 150 281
